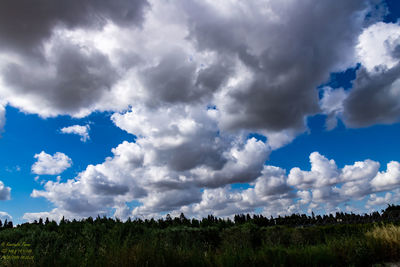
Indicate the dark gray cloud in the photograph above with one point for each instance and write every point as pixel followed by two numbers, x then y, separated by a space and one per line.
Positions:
pixel 273 107
pixel 102 186
pixel 170 200
pixel 171 80
pixel 393 47
pixel 288 57
pixel 214 76
pixel 79 205
pixel 374 98
pixel 71 80
pixel 175 79
pixel 396 51
pixel 192 154
pixel 25 24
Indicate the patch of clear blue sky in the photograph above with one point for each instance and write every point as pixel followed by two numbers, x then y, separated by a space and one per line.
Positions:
pixel 394 11
pixel 341 79
pixel 26 135
pixel 345 146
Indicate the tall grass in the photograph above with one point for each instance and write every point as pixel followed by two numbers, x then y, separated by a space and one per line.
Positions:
pixel 385 242
pixel 239 245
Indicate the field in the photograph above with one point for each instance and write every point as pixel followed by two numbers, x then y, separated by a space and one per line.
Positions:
pixel 297 240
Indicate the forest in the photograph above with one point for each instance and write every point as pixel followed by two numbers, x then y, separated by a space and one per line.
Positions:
pixel 340 239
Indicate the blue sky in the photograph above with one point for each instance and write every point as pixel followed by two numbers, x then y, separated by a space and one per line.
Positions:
pixel 305 111
pixel 26 135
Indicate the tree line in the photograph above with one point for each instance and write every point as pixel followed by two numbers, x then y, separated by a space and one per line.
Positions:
pixel 390 214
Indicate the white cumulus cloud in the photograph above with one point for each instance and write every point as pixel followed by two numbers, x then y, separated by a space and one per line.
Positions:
pixel 379 46
pixel 388 179
pixel 51 164
pixel 81 130
pixel 135 174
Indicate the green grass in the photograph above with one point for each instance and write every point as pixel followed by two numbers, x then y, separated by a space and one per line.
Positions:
pixel 119 244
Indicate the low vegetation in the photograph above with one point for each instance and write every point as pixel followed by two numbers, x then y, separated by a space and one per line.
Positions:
pixel 296 240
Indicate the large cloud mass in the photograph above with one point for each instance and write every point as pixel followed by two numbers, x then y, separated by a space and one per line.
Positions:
pixel 156 189
pixel 285 50
pixel 259 63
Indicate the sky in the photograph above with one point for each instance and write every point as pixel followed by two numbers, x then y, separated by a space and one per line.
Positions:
pixel 147 107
